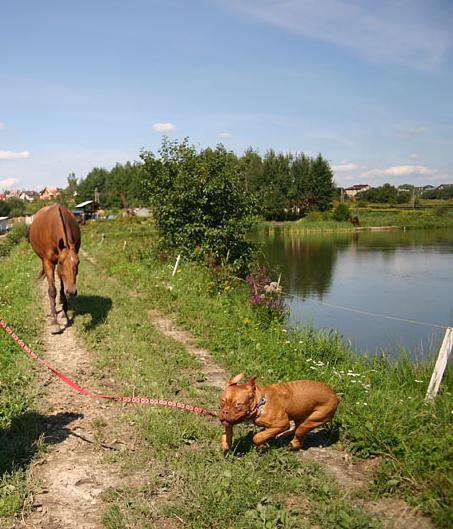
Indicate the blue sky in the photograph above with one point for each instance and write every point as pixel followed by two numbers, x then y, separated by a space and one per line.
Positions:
pixel 368 84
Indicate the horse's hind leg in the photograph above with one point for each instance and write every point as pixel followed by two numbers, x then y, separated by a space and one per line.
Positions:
pixel 49 270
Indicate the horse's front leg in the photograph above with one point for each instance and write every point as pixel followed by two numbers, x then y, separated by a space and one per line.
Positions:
pixel 64 302
pixel 49 270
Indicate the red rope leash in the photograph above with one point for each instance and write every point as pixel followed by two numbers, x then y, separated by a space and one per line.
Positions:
pixel 76 387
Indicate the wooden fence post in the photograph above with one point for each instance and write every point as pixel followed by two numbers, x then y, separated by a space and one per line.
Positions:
pixel 441 364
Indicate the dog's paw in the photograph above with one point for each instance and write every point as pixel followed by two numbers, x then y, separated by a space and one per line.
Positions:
pixel 295 444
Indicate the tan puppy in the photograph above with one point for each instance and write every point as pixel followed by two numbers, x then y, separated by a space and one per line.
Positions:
pixel 306 402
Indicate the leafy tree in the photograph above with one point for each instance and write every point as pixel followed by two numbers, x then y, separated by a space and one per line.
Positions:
pixel 403 197
pixel 252 169
pixel 300 193
pixel 36 205
pixel 199 203
pixel 121 179
pixel 321 185
pixel 386 194
pixel 68 197
pixel 274 186
pixel 4 208
pixel 96 179
pixel 14 207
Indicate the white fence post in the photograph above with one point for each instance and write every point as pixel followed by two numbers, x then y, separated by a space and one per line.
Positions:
pixel 176 265
pixel 441 364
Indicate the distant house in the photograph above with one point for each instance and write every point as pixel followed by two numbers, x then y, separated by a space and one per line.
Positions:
pixel 444 186
pixel 29 196
pixel 3 224
pixel 408 188
pixel 49 193
pixel 427 188
pixel 2 196
pixel 352 191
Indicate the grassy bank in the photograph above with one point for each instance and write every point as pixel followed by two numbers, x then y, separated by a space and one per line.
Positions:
pixel 188 481
pixel 440 216
pixel 20 425
pixel 382 412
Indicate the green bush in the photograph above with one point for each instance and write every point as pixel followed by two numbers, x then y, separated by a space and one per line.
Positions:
pixel 199 204
pixel 15 236
pixel 341 213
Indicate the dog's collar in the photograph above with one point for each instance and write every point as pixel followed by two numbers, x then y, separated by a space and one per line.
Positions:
pixel 258 409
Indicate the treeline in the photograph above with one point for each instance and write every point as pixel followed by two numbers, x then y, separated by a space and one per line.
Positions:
pixel 122 186
pixel 439 194
pixel 385 194
pixel 288 185
pixel 284 186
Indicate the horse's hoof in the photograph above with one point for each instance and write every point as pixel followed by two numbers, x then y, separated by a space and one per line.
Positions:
pixel 55 329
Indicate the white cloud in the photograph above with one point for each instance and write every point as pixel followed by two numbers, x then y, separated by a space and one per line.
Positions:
pixel 400 170
pixel 10 155
pixel 414 156
pixel 344 167
pixel 370 29
pixel 8 182
pixel 2 126
pixel 412 131
pixel 224 135
pixel 163 127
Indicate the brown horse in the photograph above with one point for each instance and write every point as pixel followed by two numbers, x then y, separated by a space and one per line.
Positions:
pixel 55 237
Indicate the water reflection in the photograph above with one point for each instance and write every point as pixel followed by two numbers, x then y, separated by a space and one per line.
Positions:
pixel 395 273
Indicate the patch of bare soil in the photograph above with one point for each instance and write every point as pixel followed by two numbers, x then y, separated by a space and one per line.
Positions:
pixel 394 513
pixel 71 477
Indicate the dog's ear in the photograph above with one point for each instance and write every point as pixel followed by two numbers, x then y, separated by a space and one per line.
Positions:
pixel 236 379
pixel 251 380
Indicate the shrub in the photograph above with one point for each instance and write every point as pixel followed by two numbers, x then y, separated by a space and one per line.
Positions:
pixel 314 216
pixel 341 213
pixel 199 204
pixel 15 236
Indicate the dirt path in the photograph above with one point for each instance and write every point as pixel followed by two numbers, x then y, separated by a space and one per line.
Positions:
pixel 71 477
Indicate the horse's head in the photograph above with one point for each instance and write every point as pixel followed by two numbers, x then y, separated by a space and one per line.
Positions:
pixel 68 265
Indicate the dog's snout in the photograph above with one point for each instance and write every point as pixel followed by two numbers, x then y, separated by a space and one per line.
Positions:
pixel 223 415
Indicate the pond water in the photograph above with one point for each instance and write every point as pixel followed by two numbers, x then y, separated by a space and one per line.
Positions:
pixel 406 275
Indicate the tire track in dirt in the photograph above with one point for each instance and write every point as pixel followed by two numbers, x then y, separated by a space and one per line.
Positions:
pixel 71 477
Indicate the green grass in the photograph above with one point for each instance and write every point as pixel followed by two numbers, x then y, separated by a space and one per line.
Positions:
pixel 382 412
pixel 20 425
pixel 424 217
pixel 188 478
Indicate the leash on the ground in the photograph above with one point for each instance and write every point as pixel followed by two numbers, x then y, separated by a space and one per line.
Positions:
pixel 78 389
